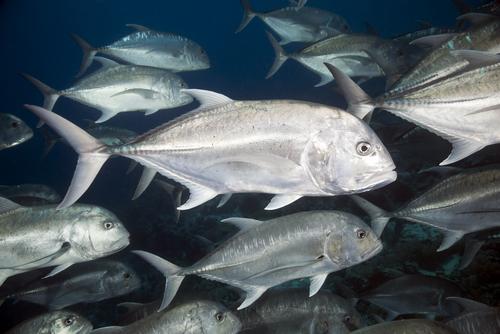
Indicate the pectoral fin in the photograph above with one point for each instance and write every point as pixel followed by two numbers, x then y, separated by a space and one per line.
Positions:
pixel 316 283
pixel 58 269
pixel 44 260
pixel 148 94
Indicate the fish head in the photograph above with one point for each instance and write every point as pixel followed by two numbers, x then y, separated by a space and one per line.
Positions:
pixel 121 279
pixel 64 322
pixel 13 131
pixel 215 318
pixel 98 233
pixel 198 57
pixel 349 158
pixel 351 242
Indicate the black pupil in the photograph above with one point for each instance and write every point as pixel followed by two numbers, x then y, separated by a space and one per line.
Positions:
pixel 364 148
pixel 219 316
pixel 68 321
pixel 15 124
pixel 126 275
pixel 361 234
pixel 107 225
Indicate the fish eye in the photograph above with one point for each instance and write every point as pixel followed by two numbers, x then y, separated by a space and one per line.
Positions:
pixel 363 148
pixel 108 225
pixel 126 275
pixel 69 321
pixel 347 318
pixel 14 124
pixel 361 234
pixel 219 316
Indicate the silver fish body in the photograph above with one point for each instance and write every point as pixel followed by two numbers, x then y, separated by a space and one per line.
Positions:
pixel 266 254
pixel 21 192
pixel 151 48
pixel 413 326
pixel 122 88
pixel 292 310
pixel 298 24
pixel 38 237
pixel 475 318
pixel 284 147
pixel 87 282
pixel 451 206
pixel 199 317
pixel 57 322
pixel 414 294
pixel 13 131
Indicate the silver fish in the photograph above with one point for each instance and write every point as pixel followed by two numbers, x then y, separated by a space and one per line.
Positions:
pixel 461 108
pixel 265 254
pixel 475 318
pixel 450 206
pixel 152 48
pixel 284 147
pixel 413 326
pixel 199 317
pixel 441 61
pixel 22 192
pixel 88 282
pixel 41 236
pixel 57 322
pixel 13 131
pixel 414 294
pixel 121 88
pixel 297 23
pixel 354 54
pixel 291 311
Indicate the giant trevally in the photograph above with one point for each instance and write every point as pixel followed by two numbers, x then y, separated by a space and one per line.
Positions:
pixel 297 23
pixel 147 47
pixel 194 317
pixel 363 56
pixel 411 326
pixel 87 282
pixel 292 311
pixel 119 88
pixel 461 204
pixel 414 294
pixel 13 131
pixel 440 62
pixel 475 318
pixel 265 254
pixel 284 147
pixel 30 193
pixel 57 322
pixel 462 108
pixel 41 236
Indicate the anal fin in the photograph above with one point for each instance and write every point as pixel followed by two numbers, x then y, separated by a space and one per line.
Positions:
pixel 316 283
pixel 252 294
pixel 280 201
pixel 449 239
pixel 198 195
pixel 461 149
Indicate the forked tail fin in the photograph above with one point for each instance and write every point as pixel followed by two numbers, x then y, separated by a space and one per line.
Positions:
pixel 89 53
pixel 248 15
pixel 90 157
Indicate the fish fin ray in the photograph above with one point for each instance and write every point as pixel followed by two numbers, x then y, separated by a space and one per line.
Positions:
pixel 147 177
pixel 252 294
pixel 280 56
pixel 206 98
pixel 224 199
pixel 280 201
pixel 58 269
pixel 449 239
pixel 316 283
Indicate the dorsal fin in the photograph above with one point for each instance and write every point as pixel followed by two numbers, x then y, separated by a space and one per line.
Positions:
pixel 242 223
pixel 477 18
pixel 137 27
pixel 105 62
pixel 7 205
pixel 207 98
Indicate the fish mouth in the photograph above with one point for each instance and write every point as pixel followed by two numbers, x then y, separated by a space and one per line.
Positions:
pixel 380 178
pixel 372 252
pixel 118 246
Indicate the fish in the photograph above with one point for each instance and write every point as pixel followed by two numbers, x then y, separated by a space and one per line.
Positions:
pixel 473 244
pixel 412 326
pixel 442 61
pixel 449 206
pixel 41 236
pixel 87 282
pixel 475 318
pixel 414 294
pixel 265 254
pixel 147 47
pixel 357 55
pixel 460 108
pixel 291 311
pixel 119 88
pixel 297 23
pixel 37 193
pixel 57 322
pixel 194 317
pixel 283 147
pixel 13 131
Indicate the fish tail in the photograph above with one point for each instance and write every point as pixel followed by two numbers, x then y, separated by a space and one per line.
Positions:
pixel 280 56
pixel 49 139
pixel 91 155
pixel 379 217
pixel 169 270
pixel 360 104
pixel 248 15
pixel 88 53
pixel 50 95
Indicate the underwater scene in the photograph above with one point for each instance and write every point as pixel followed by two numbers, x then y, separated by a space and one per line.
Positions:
pixel 250 166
